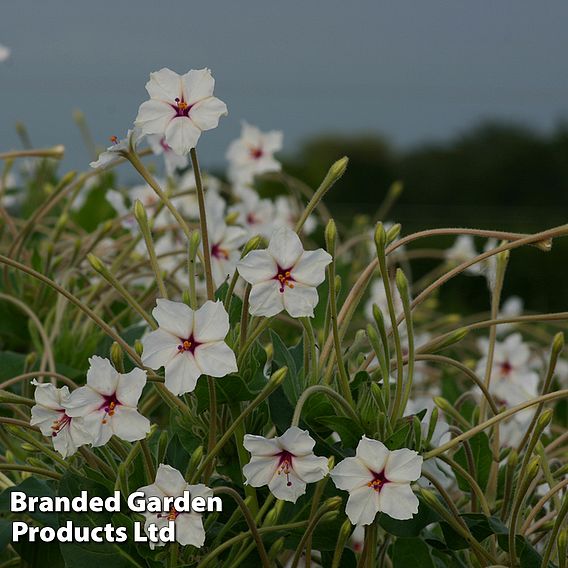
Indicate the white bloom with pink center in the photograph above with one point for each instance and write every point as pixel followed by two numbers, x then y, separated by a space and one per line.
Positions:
pixel 189 344
pixel 188 524
pixel 108 403
pixel 513 379
pixel 284 276
pixel 180 107
pixel 286 463
pixel 378 480
pixel 117 148
pixel 253 154
pixel 172 161
pixel 50 416
pixel 254 213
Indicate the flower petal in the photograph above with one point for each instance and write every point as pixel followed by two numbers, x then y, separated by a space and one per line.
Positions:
pixel 257 266
pixel 130 386
pixel 260 446
pixel 265 299
pixel 182 373
pixel 373 454
pixel 160 347
pixel 260 470
pixel 350 474
pixel 297 441
pixel 310 269
pixel 102 376
pixel 153 117
pixel 362 506
pixel 189 530
pixel 285 246
pixel 300 300
pixel 197 84
pixel 206 113
pixel 128 424
pixel 83 401
pixel 170 480
pixel 182 135
pixel 175 317
pixel 164 84
pixel 403 465
pixel 211 322
pixel 49 395
pixel 310 468
pixel 216 359
pixel 398 501
pixel 287 487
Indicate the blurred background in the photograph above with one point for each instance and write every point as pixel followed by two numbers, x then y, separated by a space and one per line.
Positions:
pixel 466 103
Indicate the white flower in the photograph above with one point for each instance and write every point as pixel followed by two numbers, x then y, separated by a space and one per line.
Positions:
pixel 254 213
pixel 288 212
pixel 180 107
pixel 378 480
pixel 286 463
pixel 513 381
pixel 108 403
pixel 50 416
pixel 462 250
pixel 117 148
pixel 226 242
pixel 284 276
pixel 189 344
pixel 253 154
pixel 4 53
pixel 379 296
pixel 172 161
pixel 511 308
pixel 188 524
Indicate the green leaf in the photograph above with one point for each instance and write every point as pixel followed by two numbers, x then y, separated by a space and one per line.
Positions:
pixel 412 527
pixel 409 552
pixel 349 432
pixel 32 487
pixel 229 389
pixel 482 459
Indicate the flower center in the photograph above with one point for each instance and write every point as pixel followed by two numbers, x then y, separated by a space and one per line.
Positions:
pixel 58 425
pixel 378 482
pixel 284 276
pixel 114 139
pixel 285 465
pixel 506 368
pixel 256 153
pixel 187 345
pixel 181 107
pixel 219 252
pixel 109 406
pixel 251 219
pixel 171 516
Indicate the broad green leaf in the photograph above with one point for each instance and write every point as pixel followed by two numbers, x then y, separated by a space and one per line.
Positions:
pixel 482 459
pixel 408 552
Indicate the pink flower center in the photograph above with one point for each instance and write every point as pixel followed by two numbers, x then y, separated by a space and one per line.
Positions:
pixel 58 425
pixel 109 406
pixel 285 465
pixel 284 276
pixel 256 153
pixel 219 252
pixel 181 107
pixel 171 516
pixel 251 219
pixel 506 368
pixel 187 345
pixel 378 482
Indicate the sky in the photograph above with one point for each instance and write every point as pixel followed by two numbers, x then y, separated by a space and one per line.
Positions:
pixel 413 71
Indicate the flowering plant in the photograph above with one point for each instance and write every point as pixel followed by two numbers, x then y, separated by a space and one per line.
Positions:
pixel 193 334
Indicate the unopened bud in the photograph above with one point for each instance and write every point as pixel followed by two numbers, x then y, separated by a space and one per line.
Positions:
pixel 402 284
pixel 117 357
pixel 445 341
pixel 232 218
pixel 252 244
pixel 558 343
pixel 329 517
pixel 138 347
pixel 194 242
pixel 338 168
pixel 140 213
pixel 380 238
pixel 330 236
pixel 544 420
pixel 195 459
pixel 332 503
pixel 276 549
pixel 392 233
pixel 432 424
pixel 533 469
pixel 278 377
pixel 96 263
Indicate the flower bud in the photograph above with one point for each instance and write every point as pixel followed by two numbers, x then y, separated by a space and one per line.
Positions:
pixel 417 426
pixel 392 233
pixel 278 377
pixel 432 424
pixel 117 357
pixel 329 517
pixel 332 503
pixel 330 237
pixel 252 244
pixel 232 218
pixel 194 242
pixel 558 343
pixel 138 347
pixel 276 549
pixel 402 284
pixel 380 238
pixel 430 498
pixel 445 341
pixel 195 459
pixel 339 167
pixel 532 469
pixel 140 213
pixel 96 263
pixel 543 421
pixel 513 459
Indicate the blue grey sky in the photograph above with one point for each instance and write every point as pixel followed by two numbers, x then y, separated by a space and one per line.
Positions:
pixel 411 70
